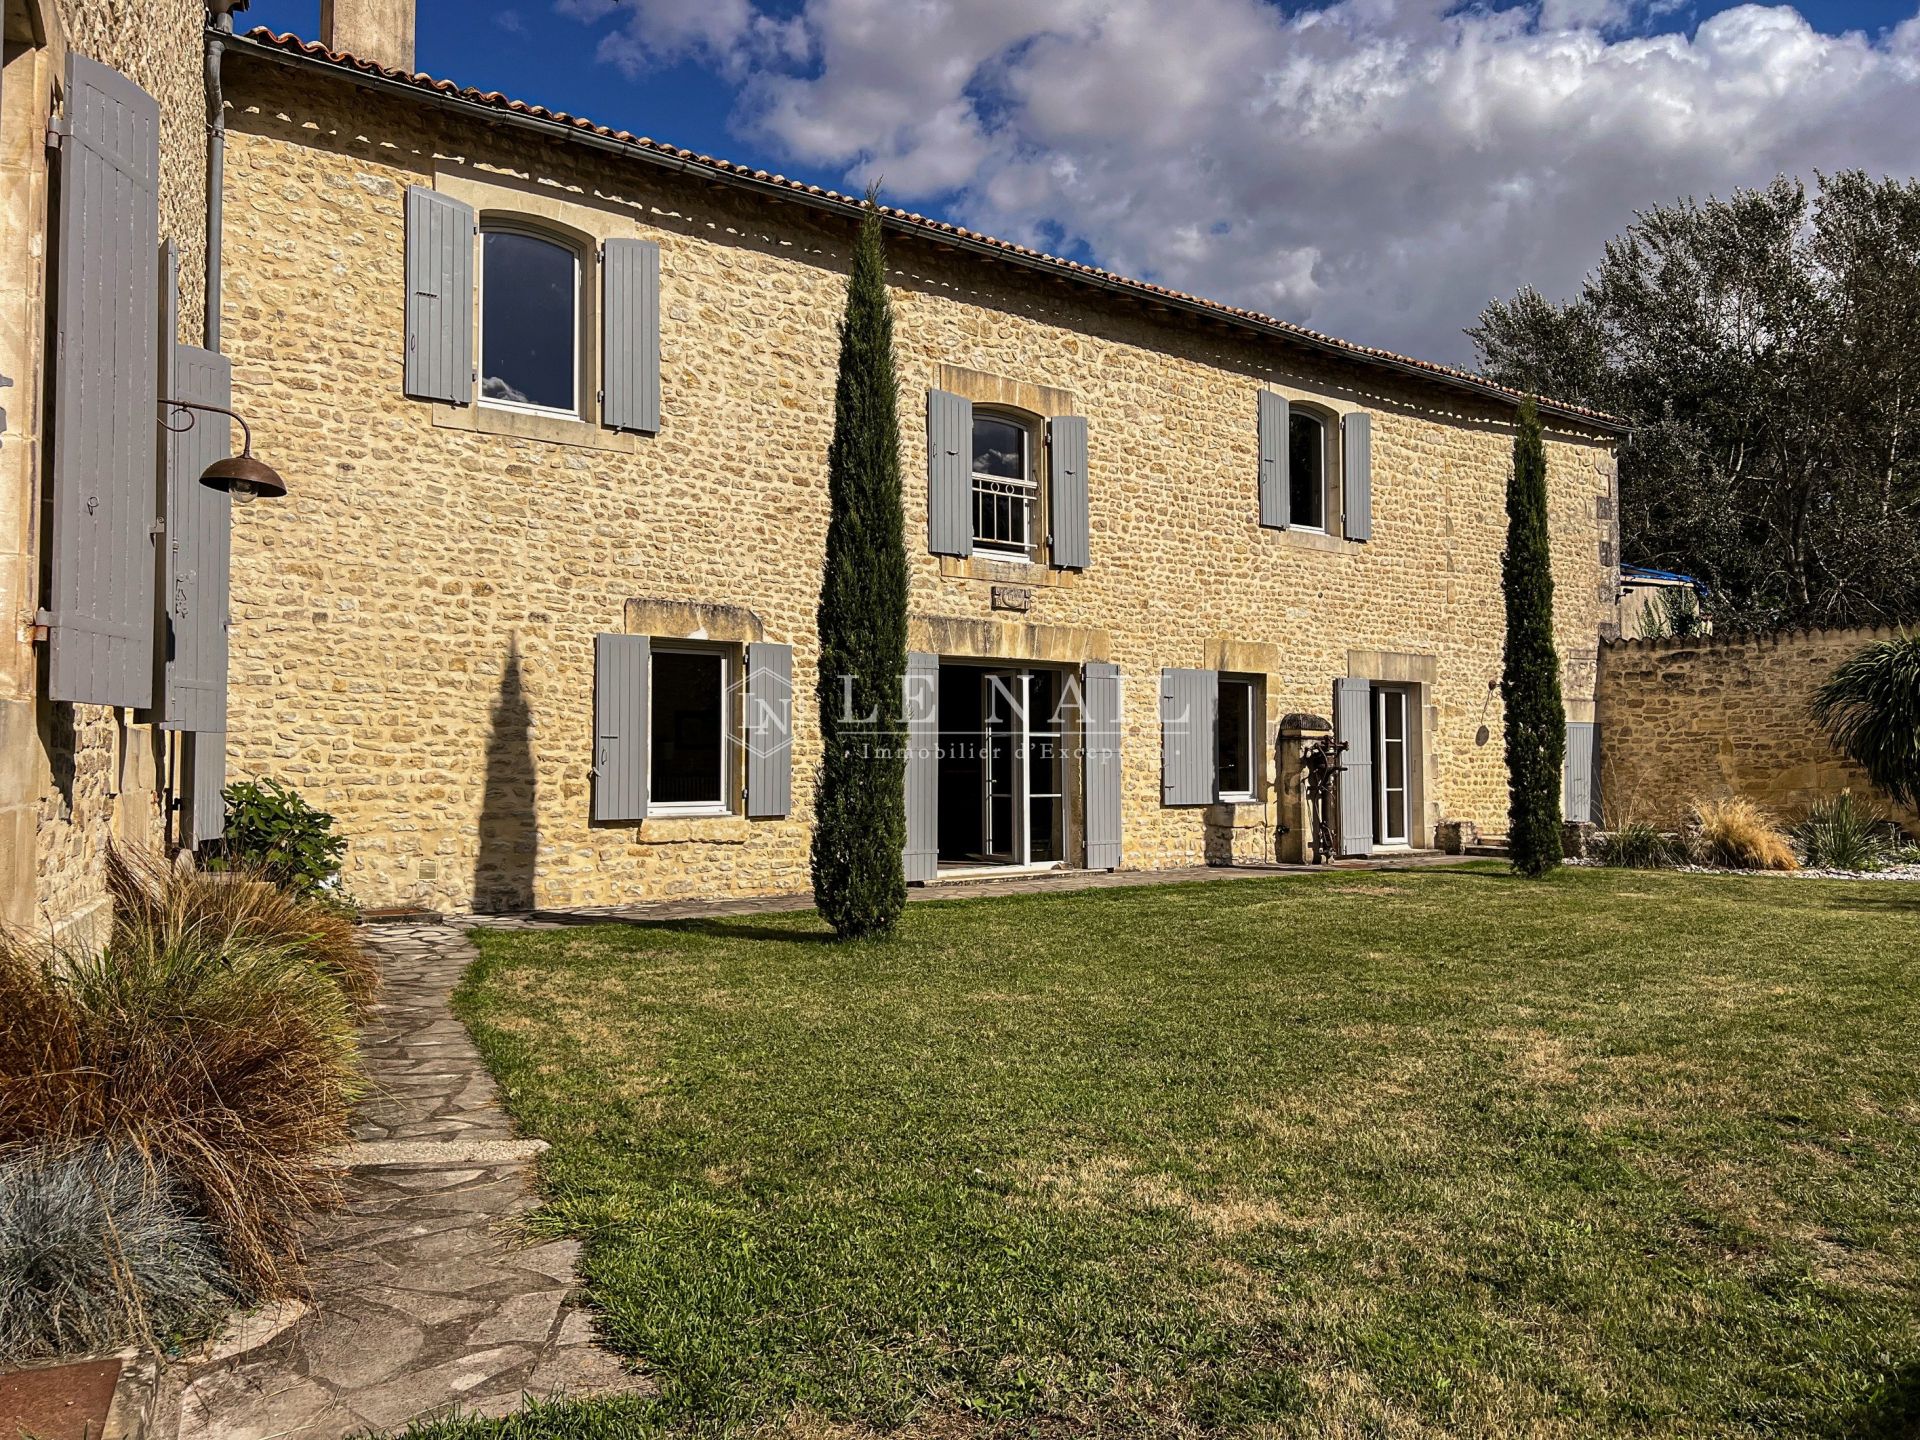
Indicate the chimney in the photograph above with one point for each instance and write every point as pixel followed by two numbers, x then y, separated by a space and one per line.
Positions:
pixel 376 30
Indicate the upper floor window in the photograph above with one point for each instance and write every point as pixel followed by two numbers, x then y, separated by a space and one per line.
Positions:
pixel 529 323
pixel 1005 489
pixel 1307 471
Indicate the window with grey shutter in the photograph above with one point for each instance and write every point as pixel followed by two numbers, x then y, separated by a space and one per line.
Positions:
pixel 197 545
pixel 440 233
pixel 1067 490
pixel 768 725
pixel 949 473
pixel 1353 723
pixel 1578 799
pixel 1188 701
pixel 620 726
pixel 630 336
pixel 1275 422
pixel 1100 722
pixel 105 416
pixel 922 704
pixel 205 755
pixel 1356 457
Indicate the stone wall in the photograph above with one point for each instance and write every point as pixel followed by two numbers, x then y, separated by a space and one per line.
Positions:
pixel 74 776
pixel 413 626
pixel 1706 718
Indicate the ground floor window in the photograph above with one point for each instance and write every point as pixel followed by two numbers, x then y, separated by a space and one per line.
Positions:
pixel 688 731
pixel 1237 750
pixel 1390 788
pixel 1005 743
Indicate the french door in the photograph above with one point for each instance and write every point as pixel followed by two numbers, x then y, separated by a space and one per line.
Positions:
pixel 1021 768
pixel 1390 791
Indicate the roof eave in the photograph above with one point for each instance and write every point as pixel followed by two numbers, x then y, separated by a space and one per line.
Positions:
pixel 785 193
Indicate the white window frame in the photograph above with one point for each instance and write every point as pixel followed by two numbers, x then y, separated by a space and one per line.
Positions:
pixel 1327 425
pixel 1027 489
pixel 535 232
pixel 725 805
pixel 1383 696
pixel 1256 727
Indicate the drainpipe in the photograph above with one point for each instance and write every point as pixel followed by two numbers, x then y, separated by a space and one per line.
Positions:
pixel 220 15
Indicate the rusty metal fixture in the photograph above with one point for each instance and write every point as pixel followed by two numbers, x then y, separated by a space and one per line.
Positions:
pixel 1321 762
pixel 241 476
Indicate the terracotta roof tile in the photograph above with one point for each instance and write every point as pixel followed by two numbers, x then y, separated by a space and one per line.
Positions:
pixel 287 44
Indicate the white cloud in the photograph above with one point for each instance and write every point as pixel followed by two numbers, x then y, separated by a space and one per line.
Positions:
pixel 1374 168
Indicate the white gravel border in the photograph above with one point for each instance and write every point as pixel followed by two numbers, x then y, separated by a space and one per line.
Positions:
pixel 1892 872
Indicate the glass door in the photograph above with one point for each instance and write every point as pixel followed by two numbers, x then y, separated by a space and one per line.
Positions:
pixel 1390 767
pixel 1003 766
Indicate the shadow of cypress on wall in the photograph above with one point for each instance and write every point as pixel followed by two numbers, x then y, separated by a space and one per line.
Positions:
pixel 509 835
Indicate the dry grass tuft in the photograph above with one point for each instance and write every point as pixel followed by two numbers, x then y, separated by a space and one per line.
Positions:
pixel 226 1061
pixel 239 905
pixel 1739 835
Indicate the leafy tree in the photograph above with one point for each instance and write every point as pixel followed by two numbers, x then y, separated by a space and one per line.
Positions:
pixel 1766 349
pixel 1536 725
pixel 1871 707
pixel 860 822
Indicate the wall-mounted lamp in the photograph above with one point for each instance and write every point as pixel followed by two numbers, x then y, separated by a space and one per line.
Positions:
pixel 241 476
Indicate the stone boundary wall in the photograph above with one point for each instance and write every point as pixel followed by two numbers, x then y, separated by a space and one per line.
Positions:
pixel 1720 715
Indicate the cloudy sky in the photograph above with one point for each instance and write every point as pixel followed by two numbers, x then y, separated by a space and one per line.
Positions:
pixel 1374 168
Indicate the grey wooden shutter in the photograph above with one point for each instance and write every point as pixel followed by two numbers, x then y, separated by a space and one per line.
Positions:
pixel 1276 496
pixel 922 702
pixel 769 731
pixel 105 414
pixel 1578 803
pixel 949 473
pixel 440 234
pixel 620 664
pixel 1067 490
pixel 630 336
pixel 205 755
pixel 1353 723
pixel 194 594
pixel 1100 721
pixel 1356 455
pixel 1189 704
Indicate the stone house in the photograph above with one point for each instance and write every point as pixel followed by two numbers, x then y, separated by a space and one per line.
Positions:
pixel 536 621
pixel 105 101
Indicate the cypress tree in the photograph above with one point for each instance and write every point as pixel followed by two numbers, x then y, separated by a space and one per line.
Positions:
pixel 1530 676
pixel 860 819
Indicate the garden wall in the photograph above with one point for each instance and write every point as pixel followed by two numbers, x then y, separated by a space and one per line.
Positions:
pixel 1712 716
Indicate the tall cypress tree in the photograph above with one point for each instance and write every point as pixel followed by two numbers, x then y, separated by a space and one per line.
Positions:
pixel 1530 676
pixel 860 818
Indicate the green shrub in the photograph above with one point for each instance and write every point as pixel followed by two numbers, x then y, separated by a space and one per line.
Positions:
pixel 273 832
pixel 1840 833
pixel 1637 845
pixel 229 1062
pixel 1536 721
pixel 860 818
pixel 98 1251
pixel 1870 705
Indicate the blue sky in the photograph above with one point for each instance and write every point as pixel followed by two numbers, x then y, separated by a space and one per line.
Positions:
pixel 1375 168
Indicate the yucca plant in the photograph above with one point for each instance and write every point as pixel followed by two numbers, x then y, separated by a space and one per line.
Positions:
pixel 1841 833
pixel 1870 705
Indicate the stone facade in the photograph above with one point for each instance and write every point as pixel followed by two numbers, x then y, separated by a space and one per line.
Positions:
pixel 1718 716
pixel 413 628
pixel 72 776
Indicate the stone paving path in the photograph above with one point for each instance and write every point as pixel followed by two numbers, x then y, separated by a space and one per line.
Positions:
pixel 424 1296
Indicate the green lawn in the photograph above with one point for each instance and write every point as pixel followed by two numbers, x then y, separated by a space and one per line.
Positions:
pixel 1353 1154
